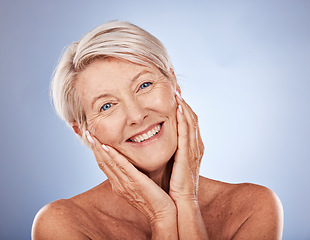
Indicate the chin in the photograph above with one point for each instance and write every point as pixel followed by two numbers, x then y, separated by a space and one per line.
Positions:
pixel 154 162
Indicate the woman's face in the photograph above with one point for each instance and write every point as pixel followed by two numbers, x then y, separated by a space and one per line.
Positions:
pixel 131 108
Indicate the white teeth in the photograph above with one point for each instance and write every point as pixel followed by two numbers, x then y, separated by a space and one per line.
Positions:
pixel 147 135
pixel 150 133
pixel 157 128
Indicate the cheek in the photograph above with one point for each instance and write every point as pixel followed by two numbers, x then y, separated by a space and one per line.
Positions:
pixel 164 103
pixel 162 100
pixel 107 130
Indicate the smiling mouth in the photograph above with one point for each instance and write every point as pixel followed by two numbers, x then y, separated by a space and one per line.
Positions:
pixel 145 136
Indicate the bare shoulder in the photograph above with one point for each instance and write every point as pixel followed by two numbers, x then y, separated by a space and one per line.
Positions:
pixel 265 220
pixel 242 211
pixel 260 197
pixel 89 215
pixel 256 197
pixel 57 220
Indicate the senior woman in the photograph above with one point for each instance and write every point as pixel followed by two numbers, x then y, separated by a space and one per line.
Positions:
pixel 117 89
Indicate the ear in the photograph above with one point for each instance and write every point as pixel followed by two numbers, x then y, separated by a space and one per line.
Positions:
pixel 76 128
pixel 175 82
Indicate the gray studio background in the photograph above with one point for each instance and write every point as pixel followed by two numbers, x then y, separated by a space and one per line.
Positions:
pixel 244 67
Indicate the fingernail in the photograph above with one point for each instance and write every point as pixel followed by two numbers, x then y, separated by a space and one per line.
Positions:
pixel 180 108
pixel 105 147
pixel 178 94
pixel 89 138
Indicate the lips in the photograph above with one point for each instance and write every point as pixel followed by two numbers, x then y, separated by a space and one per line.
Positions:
pixel 147 134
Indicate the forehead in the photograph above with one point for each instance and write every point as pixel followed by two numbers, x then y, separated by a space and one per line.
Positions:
pixel 109 75
pixel 110 71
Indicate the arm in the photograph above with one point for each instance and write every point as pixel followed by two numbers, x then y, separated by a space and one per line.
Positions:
pixel 190 222
pixel 265 219
pixel 138 190
pixel 165 227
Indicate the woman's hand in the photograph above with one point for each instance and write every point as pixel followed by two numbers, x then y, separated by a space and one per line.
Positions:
pixel 185 174
pixel 184 180
pixel 138 189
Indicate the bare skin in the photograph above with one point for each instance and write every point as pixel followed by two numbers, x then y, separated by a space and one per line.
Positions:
pixel 226 209
pixel 154 189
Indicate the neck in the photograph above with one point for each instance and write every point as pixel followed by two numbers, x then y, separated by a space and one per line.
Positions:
pixel 162 176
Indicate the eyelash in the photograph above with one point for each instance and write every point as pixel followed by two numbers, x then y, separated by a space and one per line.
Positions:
pixel 102 108
pixel 143 84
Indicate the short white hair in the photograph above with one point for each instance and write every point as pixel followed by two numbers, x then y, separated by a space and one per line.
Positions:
pixel 116 39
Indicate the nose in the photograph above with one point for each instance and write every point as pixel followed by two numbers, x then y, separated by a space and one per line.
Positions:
pixel 135 111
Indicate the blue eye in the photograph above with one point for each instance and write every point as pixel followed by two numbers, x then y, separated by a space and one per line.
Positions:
pixel 106 106
pixel 145 85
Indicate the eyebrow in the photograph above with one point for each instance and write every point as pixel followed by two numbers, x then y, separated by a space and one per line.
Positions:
pixel 107 94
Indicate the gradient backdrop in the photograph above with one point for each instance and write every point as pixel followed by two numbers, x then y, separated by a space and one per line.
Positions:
pixel 244 67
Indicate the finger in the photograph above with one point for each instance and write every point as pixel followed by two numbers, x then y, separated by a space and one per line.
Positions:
pixel 196 147
pixel 131 180
pixel 192 122
pixel 196 128
pixel 113 162
pixel 124 165
pixel 189 113
pixel 105 162
pixel 101 155
pixel 183 136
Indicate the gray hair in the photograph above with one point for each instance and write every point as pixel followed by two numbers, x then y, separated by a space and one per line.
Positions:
pixel 117 39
